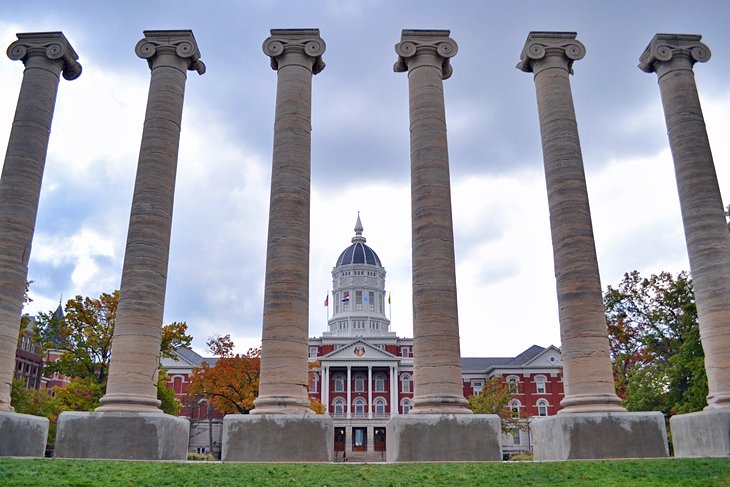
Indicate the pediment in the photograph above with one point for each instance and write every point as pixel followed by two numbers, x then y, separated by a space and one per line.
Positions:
pixel 358 350
pixel 550 357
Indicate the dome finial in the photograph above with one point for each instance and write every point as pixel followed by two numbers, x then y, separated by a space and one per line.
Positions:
pixel 358 230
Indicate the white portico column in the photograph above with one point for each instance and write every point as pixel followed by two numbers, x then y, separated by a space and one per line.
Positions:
pixel 349 391
pixel 672 57
pixel 394 399
pixel 592 423
pixel 370 392
pixel 326 388
pixel 46 56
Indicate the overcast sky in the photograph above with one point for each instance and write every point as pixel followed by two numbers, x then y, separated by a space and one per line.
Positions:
pixel 360 153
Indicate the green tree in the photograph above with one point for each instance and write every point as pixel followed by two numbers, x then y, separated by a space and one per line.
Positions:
pixel 657 356
pixel 494 398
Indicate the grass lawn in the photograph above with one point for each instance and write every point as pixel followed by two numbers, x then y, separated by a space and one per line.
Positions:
pixel 56 472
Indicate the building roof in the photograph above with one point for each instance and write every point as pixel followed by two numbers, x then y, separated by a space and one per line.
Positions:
pixel 485 363
pixel 358 252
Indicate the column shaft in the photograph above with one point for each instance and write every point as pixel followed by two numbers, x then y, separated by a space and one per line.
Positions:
pixel 132 384
pixel 587 373
pixel 370 391
pixel 708 243
pixel 437 358
pixel 296 55
pixel 349 392
pixel 45 56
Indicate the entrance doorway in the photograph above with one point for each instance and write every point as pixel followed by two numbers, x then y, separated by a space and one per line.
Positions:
pixel 379 439
pixel 339 439
pixel 359 439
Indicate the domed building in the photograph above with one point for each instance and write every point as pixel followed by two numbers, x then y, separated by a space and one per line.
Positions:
pixel 363 373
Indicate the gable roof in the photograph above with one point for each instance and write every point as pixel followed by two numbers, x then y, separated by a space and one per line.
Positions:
pixel 365 351
pixel 480 364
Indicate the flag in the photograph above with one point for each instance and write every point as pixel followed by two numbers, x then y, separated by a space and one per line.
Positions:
pixel 365 298
pixel 327 300
pixel 346 298
pixel 388 298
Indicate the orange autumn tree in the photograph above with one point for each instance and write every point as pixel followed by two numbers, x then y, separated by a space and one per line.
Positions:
pixel 315 405
pixel 232 383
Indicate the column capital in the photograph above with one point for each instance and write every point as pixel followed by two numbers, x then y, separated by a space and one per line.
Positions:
pixel 539 46
pixel 51 45
pixel 675 50
pixel 437 43
pixel 300 41
pixel 181 43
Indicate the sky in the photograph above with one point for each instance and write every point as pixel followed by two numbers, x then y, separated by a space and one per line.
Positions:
pixel 360 153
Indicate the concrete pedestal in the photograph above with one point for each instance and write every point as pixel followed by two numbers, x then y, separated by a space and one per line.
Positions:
pixel 701 434
pixel 600 435
pixel 22 435
pixel 123 436
pixel 443 438
pixel 277 438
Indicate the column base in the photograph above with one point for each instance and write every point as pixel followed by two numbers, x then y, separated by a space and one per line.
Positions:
pixel 277 438
pixel 22 435
pixel 701 434
pixel 122 436
pixel 443 438
pixel 600 435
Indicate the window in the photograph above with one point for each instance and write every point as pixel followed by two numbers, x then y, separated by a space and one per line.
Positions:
pixel 542 407
pixel 404 351
pixel 359 407
pixel 358 300
pixel 359 383
pixel 477 386
pixel 339 406
pixel 513 384
pixel 177 385
pixel 516 438
pixel 380 407
pixel 514 407
pixel 339 383
pixel 405 380
pixel 380 303
pixel 379 383
pixel 371 300
pixel 314 386
pixel 405 405
pixel 312 352
pixel 540 384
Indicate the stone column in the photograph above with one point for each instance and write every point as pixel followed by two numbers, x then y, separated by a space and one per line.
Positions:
pixel 394 399
pixel 672 57
pixel 440 411
pixel 296 54
pixel 587 373
pixel 370 392
pixel 590 395
pixel 348 385
pixel 46 56
pixel 132 384
pixel 426 55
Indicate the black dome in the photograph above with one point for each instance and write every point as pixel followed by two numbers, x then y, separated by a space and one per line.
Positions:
pixel 358 253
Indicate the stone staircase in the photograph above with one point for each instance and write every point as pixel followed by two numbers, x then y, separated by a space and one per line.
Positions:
pixel 363 457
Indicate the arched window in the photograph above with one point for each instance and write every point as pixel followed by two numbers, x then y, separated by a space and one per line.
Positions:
pixel 380 407
pixel 177 384
pixel 339 407
pixel 514 407
pixel 314 385
pixel 540 384
pixel 405 380
pixel 405 405
pixel 542 407
pixel 339 383
pixel 359 404
pixel 359 383
pixel 379 383
pixel 513 384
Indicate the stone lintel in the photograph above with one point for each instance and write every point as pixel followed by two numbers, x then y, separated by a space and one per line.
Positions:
pixel 53 45
pixel 277 438
pixel 444 438
pixel 301 40
pixel 22 435
pixel 182 42
pixel 663 47
pixel 591 436
pixel 539 43
pixel 701 434
pixel 122 436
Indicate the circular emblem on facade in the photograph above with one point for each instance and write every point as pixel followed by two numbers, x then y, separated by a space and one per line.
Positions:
pixel 359 351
